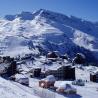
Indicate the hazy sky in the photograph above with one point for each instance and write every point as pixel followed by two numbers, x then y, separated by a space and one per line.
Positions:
pixel 86 9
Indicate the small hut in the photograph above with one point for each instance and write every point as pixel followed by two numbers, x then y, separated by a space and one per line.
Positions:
pixel 47 82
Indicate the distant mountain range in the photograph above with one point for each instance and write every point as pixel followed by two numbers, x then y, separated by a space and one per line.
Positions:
pixel 44 30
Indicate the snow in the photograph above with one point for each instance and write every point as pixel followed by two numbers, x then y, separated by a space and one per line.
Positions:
pixel 27 33
pixel 18 76
pixel 84 40
pixel 89 90
pixel 16 90
pixel 82 74
pixel 9 89
pixel 62 85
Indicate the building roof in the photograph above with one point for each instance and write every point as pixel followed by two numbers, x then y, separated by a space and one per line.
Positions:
pixel 66 86
pixel 95 72
pixel 50 78
pixel 21 76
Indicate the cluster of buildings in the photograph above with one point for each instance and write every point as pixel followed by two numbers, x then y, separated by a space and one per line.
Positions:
pixel 49 82
pixel 62 71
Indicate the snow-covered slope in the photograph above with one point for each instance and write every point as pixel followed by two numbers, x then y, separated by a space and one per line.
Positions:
pixel 10 89
pixel 45 30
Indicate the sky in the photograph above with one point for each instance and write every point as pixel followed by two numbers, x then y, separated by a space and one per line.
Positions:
pixel 85 9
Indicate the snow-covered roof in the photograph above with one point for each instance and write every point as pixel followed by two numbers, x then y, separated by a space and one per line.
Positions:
pixel 20 76
pixel 50 78
pixel 95 72
pixel 65 86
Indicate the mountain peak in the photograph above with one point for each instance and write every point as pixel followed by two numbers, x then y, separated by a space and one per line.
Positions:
pixel 23 15
pixel 41 12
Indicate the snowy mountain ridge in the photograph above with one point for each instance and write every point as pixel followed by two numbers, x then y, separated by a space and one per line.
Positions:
pixel 47 30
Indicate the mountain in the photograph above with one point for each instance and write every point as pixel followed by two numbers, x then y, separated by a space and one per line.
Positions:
pixel 44 30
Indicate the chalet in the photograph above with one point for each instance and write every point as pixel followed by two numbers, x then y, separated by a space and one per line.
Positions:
pixel 62 73
pixel 47 82
pixel 52 55
pixel 94 76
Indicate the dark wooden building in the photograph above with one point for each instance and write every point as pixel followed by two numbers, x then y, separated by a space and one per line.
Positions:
pixel 94 77
pixel 36 72
pixel 79 59
pixel 52 55
pixel 63 73
pixel 12 68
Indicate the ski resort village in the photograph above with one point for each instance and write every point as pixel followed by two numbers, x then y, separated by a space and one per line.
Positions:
pixel 46 54
pixel 47 76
